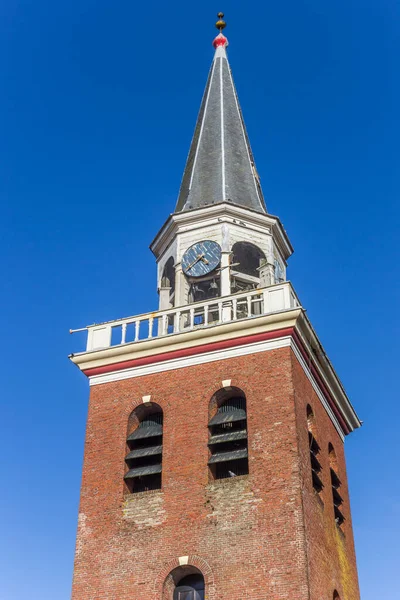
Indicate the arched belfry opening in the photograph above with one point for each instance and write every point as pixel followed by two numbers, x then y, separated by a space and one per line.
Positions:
pixel 247 258
pixel 144 447
pixel 228 434
pixel 184 583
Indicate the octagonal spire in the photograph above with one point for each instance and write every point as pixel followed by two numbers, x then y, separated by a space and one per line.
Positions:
pixel 220 166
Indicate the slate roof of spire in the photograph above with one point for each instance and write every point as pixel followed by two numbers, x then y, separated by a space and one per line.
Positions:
pixel 220 166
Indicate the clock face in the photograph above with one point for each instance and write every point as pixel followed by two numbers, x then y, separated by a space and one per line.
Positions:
pixel 201 258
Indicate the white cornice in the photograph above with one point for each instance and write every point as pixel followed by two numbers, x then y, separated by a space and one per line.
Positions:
pixel 177 344
pixel 223 211
pixel 188 339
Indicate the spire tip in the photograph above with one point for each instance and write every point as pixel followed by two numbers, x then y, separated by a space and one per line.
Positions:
pixel 220 24
pixel 220 40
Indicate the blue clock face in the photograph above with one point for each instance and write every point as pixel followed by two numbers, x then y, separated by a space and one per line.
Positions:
pixel 201 258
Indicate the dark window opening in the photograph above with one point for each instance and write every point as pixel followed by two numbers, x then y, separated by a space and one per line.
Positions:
pixel 190 587
pixel 205 289
pixel 168 276
pixel 335 485
pixel 247 259
pixel 144 458
pixel 228 439
pixel 316 467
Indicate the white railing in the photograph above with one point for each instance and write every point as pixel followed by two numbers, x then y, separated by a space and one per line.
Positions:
pixel 212 312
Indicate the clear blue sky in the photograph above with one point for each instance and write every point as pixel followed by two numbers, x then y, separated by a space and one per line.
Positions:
pixel 97 110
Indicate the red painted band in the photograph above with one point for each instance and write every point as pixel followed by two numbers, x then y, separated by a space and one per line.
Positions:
pixel 213 346
pixel 321 384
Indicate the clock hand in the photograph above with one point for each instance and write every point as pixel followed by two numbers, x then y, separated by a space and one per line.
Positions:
pixel 199 257
pixel 204 260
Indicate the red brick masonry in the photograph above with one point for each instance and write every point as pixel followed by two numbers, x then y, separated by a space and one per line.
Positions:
pixel 265 536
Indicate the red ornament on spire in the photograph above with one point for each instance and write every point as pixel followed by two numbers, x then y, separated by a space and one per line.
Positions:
pixel 220 40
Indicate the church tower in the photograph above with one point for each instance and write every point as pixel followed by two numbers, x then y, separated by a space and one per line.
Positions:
pixel 214 458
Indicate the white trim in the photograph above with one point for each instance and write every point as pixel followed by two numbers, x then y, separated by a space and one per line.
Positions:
pixel 224 354
pixel 316 388
pixel 220 52
pixel 189 361
pixel 221 91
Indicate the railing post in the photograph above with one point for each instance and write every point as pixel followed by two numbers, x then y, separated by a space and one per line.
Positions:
pixel 248 298
pixel 151 321
pixel 265 302
pixel 286 295
pixel 137 330
pixel 234 308
pixel 206 315
pixel 123 336
pixel 177 319
pixel 164 325
pixel 191 325
pixel 220 311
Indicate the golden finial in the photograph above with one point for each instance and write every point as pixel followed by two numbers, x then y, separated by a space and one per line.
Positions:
pixel 220 24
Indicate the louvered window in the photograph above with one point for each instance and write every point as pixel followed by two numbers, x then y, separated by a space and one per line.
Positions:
pixel 144 458
pixel 314 452
pixel 337 498
pixel 335 483
pixel 315 464
pixel 228 440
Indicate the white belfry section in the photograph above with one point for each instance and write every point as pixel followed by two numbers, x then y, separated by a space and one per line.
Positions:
pixel 226 224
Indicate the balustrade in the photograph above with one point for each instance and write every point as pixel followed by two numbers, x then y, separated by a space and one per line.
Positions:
pixel 213 312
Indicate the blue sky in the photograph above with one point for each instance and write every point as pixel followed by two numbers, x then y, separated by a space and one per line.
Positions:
pixel 97 110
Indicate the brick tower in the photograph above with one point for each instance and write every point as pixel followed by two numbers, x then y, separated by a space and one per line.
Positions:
pixel 214 462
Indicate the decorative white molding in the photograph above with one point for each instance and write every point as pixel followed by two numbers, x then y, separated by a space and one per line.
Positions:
pixel 226 383
pixel 146 398
pixel 189 361
pixel 183 560
pixel 316 388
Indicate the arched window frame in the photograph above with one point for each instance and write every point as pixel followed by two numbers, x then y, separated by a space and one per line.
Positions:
pixel 335 485
pixel 315 450
pixel 168 278
pixel 182 576
pixel 246 261
pixel 228 438
pixel 144 446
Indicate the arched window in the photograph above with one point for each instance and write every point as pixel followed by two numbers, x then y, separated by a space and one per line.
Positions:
pixel 228 435
pixel 144 441
pixel 246 261
pixel 190 587
pixel 336 483
pixel 168 278
pixel 314 451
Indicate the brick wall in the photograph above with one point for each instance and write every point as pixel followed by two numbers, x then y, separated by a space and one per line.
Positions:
pixel 330 549
pixel 252 537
